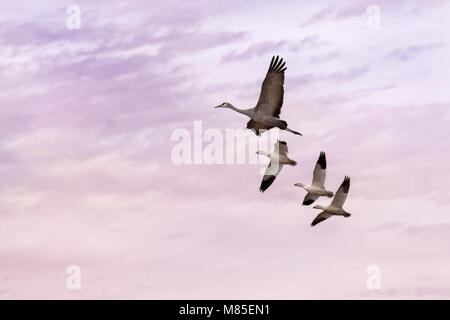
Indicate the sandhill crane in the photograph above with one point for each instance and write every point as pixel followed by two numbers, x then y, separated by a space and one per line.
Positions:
pixel 335 208
pixel 317 188
pixel 278 158
pixel 266 114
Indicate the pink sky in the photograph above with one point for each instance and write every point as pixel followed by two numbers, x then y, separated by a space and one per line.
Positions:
pixel 86 118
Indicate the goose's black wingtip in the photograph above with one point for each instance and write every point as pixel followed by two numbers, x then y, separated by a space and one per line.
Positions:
pixel 265 184
pixel 322 161
pixel 308 202
pixel 346 184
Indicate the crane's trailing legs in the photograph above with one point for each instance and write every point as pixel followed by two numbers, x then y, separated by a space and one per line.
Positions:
pixel 294 132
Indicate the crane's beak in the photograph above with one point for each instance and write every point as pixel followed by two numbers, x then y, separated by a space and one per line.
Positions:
pixel 217 106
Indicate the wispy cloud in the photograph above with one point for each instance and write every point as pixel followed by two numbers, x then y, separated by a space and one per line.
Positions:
pixel 318 16
pixel 255 50
pixel 411 52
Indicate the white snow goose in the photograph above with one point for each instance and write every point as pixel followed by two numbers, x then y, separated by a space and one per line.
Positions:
pixel 335 208
pixel 317 188
pixel 278 158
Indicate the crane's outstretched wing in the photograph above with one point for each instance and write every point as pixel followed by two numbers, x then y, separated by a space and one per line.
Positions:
pixel 320 217
pixel 320 171
pixel 341 194
pixel 269 176
pixel 309 198
pixel 272 91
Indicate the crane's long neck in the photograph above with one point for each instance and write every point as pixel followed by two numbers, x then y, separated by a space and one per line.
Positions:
pixel 247 112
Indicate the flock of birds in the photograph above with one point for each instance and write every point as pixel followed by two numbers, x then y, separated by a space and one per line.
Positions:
pixel 266 115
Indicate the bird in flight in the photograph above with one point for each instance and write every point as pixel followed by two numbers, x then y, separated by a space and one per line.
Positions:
pixel 335 208
pixel 278 158
pixel 317 188
pixel 266 114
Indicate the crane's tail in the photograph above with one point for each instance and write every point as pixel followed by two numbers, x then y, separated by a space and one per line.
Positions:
pixel 294 132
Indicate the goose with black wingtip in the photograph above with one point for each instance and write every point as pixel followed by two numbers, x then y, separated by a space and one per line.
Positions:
pixel 336 206
pixel 278 158
pixel 317 187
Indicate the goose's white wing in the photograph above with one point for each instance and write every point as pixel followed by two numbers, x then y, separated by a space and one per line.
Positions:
pixel 341 194
pixel 320 217
pixel 271 173
pixel 320 171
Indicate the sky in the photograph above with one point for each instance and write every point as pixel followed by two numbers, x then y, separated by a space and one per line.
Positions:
pixel 87 176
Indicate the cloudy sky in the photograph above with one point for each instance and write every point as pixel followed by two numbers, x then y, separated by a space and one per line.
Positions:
pixel 87 177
